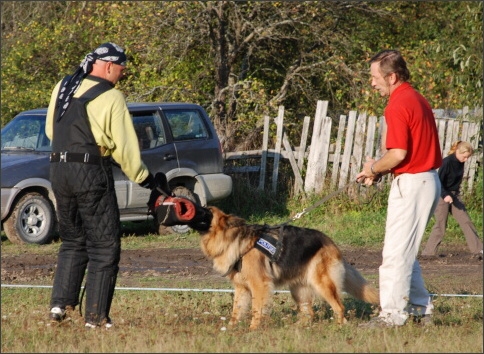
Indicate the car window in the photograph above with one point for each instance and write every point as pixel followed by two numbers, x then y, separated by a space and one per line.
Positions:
pixel 186 124
pixel 26 132
pixel 149 129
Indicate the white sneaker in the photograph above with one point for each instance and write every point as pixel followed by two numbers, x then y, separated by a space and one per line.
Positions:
pixel 107 325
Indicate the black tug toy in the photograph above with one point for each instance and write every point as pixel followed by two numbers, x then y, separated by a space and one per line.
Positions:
pixel 169 210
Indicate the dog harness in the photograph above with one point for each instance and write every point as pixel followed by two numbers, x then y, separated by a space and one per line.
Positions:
pixel 267 244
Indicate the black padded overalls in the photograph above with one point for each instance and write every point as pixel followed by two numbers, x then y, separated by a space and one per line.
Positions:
pixel 87 212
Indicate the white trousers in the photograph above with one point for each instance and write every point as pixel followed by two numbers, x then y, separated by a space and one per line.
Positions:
pixel 411 203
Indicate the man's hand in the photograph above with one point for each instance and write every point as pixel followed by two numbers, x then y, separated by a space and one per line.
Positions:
pixel 366 175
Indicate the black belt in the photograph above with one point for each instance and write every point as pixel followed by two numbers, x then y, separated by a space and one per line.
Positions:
pixel 77 157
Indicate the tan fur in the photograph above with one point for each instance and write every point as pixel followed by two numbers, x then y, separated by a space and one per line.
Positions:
pixel 327 274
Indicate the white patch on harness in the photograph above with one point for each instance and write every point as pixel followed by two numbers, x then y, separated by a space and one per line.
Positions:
pixel 267 246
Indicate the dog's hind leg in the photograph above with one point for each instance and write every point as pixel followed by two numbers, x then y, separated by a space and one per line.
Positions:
pixel 241 304
pixel 328 284
pixel 303 296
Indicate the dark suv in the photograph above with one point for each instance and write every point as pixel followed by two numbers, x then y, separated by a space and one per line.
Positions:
pixel 175 138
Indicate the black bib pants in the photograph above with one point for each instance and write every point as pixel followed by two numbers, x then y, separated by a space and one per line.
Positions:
pixel 87 212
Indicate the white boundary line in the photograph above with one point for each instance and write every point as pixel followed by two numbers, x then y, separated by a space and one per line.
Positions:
pixel 201 290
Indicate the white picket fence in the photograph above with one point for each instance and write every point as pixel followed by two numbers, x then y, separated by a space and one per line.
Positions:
pixel 335 164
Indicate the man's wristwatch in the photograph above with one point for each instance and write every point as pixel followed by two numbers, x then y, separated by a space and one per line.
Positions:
pixel 371 169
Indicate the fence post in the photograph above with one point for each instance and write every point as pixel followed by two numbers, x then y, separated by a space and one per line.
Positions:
pixel 263 160
pixel 311 170
pixel 345 163
pixel 277 152
pixel 337 150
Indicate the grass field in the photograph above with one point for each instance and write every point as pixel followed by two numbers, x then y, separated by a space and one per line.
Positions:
pixel 154 321
pixel 195 321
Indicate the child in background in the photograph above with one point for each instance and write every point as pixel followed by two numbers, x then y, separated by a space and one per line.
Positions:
pixel 451 173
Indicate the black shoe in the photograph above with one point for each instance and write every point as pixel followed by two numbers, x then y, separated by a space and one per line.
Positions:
pixel 57 314
pixel 477 256
pixel 425 320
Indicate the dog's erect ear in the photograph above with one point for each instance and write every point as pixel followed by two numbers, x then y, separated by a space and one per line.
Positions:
pixel 225 220
pixel 234 221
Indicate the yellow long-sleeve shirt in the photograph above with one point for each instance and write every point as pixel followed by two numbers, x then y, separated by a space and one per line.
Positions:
pixel 112 127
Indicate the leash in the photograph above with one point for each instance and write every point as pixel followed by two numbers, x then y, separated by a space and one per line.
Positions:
pixel 82 297
pixel 314 206
pixel 270 246
pixel 326 198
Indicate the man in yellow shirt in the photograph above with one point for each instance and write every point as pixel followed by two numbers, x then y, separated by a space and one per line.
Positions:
pixel 88 122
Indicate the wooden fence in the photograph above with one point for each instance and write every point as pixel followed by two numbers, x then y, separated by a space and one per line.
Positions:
pixel 336 162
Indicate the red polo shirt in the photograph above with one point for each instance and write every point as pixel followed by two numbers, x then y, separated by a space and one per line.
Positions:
pixel 411 126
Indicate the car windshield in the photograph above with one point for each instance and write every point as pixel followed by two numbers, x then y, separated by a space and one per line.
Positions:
pixel 26 132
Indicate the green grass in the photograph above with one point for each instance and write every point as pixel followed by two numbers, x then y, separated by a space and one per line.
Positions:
pixel 156 321
pixel 176 321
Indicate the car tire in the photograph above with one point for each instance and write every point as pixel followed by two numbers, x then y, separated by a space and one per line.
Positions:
pixel 179 191
pixel 32 220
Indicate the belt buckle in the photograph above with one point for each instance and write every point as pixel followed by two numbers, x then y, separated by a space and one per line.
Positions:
pixel 63 157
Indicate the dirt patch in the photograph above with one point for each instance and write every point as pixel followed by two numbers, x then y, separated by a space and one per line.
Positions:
pixel 454 272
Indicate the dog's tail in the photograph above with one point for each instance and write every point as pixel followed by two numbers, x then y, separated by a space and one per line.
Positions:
pixel 358 287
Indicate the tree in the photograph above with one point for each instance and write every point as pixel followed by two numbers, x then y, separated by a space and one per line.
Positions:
pixel 241 59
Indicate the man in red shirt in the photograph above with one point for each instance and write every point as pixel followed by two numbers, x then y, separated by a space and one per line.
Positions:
pixel 412 156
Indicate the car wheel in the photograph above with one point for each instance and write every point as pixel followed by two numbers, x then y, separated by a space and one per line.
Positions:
pixel 179 191
pixel 32 220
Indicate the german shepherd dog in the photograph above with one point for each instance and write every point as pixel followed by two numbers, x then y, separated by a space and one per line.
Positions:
pixel 256 258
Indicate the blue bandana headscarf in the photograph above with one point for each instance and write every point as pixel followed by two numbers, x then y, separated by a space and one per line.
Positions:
pixel 105 52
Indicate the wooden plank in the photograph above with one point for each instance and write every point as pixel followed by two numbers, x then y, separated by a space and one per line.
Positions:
pixel 303 144
pixel 263 160
pixel 297 174
pixel 253 154
pixel 370 137
pixel 241 169
pixel 455 132
pixel 280 126
pixel 474 139
pixel 311 169
pixel 381 147
pixel 441 129
pixel 345 163
pixel 448 136
pixel 464 137
pixel 316 130
pixel 323 153
pixel 337 150
pixel 358 143
pixel 382 140
pixel 465 131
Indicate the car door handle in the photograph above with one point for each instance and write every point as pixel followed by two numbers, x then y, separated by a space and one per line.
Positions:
pixel 169 157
